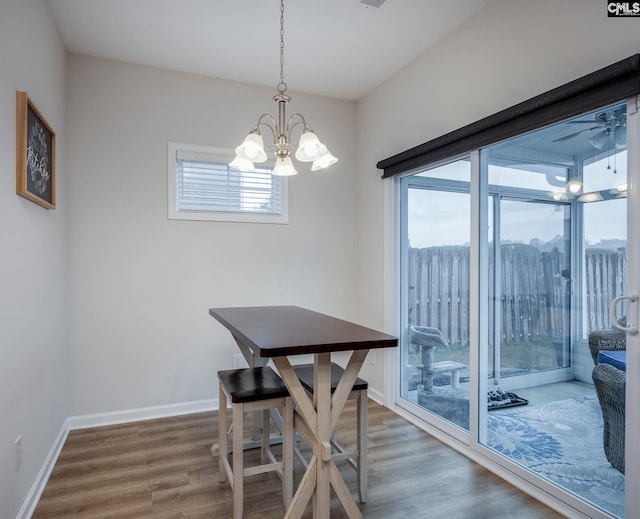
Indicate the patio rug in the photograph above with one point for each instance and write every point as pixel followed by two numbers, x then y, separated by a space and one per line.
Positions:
pixel 562 442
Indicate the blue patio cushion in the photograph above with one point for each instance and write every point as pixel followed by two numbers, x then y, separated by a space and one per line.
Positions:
pixel 615 358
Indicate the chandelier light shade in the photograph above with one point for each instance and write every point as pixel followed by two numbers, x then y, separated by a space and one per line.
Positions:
pixel 284 167
pixel 309 149
pixel 252 148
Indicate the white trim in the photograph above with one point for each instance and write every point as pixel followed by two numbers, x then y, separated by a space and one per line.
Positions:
pixel 144 413
pixel 478 285
pixel 632 413
pixel 100 420
pixel 377 396
pixel 391 356
pixel 33 496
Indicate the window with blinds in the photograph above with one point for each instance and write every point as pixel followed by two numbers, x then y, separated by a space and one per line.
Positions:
pixel 203 187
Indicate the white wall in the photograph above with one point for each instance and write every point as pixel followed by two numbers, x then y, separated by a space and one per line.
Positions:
pixel 510 51
pixel 33 313
pixel 140 285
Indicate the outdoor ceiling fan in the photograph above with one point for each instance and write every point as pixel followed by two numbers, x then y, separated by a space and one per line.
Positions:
pixel 611 124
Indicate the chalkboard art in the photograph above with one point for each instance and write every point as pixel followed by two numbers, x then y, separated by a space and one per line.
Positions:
pixel 35 154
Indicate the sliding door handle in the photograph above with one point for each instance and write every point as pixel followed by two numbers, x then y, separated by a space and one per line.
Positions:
pixel 631 329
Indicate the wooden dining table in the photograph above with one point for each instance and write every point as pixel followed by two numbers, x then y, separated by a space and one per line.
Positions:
pixel 280 332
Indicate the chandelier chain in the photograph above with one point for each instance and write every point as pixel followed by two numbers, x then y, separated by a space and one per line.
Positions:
pixel 282 87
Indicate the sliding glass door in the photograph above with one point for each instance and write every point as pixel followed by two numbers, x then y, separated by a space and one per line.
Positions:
pixel 531 232
pixel 557 269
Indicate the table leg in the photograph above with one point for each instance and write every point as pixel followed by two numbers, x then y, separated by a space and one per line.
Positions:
pixel 321 416
pixel 322 447
pixel 305 408
pixel 340 396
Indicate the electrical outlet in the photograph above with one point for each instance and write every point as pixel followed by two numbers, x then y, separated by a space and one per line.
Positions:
pixel 372 357
pixel 18 444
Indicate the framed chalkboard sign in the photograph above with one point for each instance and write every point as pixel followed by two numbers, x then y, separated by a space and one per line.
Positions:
pixel 35 154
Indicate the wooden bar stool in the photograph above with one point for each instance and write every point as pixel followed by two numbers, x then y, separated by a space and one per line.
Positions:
pixel 254 389
pixel 358 457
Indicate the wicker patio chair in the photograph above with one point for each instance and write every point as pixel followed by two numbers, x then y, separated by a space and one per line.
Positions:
pixel 607 340
pixel 610 384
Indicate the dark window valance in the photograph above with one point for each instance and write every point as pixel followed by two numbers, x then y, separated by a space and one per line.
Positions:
pixel 603 87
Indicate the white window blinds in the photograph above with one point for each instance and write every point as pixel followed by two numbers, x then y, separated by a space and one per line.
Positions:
pixel 205 188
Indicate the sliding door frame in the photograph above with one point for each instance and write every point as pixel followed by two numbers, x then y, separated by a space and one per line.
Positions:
pixel 632 412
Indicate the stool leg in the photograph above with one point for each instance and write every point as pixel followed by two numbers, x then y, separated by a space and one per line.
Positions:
pixel 362 445
pixel 238 469
pixel 222 435
pixel 287 451
pixel 265 439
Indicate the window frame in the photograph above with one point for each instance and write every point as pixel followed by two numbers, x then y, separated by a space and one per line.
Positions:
pixel 239 216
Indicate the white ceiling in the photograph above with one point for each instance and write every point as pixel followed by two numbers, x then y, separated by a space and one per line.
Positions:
pixel 336 48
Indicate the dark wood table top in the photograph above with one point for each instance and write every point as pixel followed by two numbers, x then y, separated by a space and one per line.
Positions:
pixel 275 331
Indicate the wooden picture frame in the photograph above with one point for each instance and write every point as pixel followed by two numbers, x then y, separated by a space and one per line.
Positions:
pixel 35 154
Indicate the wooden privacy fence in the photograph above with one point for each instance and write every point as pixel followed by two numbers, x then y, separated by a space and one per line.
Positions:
pixel 533 287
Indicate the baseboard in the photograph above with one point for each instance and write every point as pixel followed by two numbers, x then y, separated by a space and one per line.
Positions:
pixel 376 396
pixel 33 496
pixel 99 420
pixel 144 413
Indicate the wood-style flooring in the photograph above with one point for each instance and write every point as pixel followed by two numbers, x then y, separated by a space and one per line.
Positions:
pixel 161 469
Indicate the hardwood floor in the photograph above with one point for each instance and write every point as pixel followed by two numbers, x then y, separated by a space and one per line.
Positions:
pixel 161 469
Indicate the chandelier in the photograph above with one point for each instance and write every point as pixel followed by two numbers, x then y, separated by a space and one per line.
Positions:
pixel 310 149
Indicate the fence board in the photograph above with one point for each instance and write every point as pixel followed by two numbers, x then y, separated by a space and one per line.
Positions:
pixel 533 288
